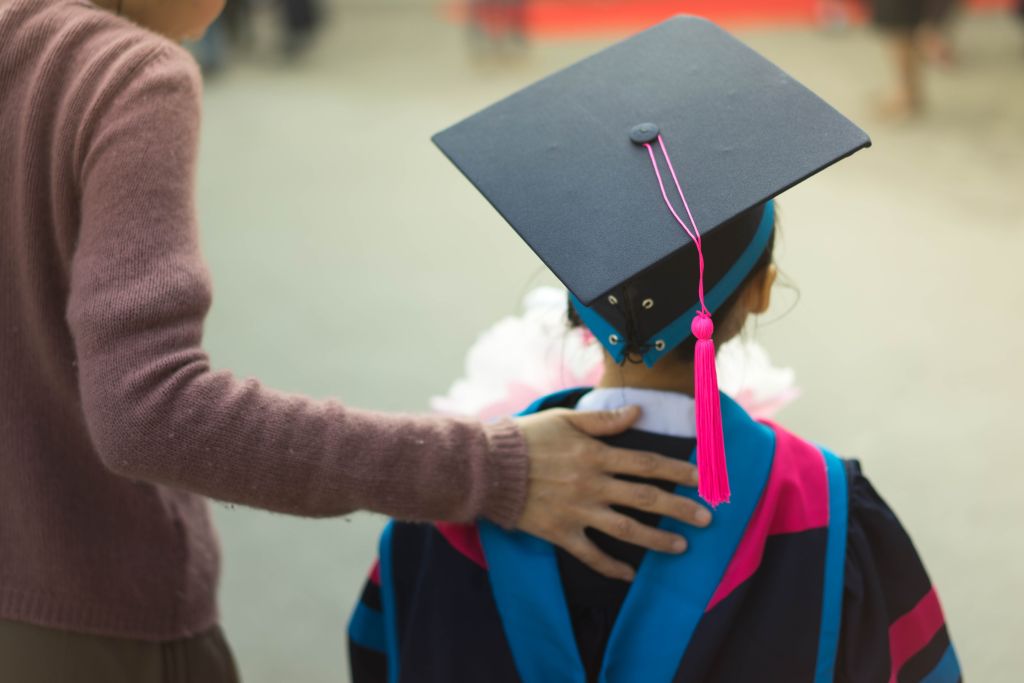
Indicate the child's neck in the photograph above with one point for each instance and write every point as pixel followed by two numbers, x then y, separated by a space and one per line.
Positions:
pixel 668 375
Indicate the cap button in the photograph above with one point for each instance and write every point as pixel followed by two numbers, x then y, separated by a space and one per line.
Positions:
pixel 643 133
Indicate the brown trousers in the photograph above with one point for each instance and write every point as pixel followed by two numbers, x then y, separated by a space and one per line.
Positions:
pixel 30 654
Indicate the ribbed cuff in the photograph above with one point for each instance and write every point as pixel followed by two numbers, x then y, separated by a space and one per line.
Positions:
pixel 508 472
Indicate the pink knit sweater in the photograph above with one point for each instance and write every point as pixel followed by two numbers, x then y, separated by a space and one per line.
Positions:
pixel 112 423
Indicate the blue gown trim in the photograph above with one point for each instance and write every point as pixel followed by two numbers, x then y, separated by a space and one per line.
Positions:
pixel 528 592
pixel 524 578
pixel 678 331
pixel 367 629
pixel 835 567
pixel 387 597
pixel 659 602
pixel 947 670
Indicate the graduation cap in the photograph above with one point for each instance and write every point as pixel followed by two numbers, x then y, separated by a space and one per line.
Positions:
pixel 656 157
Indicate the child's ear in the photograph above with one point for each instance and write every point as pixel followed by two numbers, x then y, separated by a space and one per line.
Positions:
pixel 759 294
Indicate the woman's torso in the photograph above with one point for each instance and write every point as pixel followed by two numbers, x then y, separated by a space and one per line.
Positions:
pixel 80 548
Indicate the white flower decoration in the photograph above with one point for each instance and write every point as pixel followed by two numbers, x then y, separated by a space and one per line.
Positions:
pixel 521 358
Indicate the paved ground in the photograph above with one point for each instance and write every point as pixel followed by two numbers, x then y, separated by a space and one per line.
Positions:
pixel 350 260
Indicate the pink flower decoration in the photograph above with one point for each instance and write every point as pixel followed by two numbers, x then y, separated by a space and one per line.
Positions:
pixel 521 358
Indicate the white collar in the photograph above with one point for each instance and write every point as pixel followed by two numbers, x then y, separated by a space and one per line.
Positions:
pixel 668 413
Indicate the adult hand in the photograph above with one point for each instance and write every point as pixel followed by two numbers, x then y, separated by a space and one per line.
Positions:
pixel 572 486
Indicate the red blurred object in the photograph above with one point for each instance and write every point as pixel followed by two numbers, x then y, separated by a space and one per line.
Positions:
pixel 583 17
pixel 497 18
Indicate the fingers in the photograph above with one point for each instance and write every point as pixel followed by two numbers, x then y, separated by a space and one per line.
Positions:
pixel 649 466
pixel 649 498
pixel 604 422
pixel 572 487
pixel 631 531
pixel 584 550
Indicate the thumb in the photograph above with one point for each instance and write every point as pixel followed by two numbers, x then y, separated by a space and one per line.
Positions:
pixel 605 422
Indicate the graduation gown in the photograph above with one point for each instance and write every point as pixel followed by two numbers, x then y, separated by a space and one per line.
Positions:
pixel 806 575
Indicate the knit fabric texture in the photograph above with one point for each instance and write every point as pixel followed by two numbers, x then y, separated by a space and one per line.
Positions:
pixel 113 426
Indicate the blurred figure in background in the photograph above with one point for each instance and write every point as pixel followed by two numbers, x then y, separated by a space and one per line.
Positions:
pixel 231 29
pixel 301 18
pixel 236 19
pixel 936 42
pixel 495 26
pixel 211 50
pixel 297 22
pixel 833 14
pixel 914 28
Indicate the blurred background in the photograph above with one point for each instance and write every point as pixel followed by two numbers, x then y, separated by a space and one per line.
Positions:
pixel 351 260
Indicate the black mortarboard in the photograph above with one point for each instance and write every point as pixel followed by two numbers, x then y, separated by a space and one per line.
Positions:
pixel 593 167
pixel 560 162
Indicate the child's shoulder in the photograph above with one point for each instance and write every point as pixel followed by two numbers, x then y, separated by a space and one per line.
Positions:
pixel 800 463
pixel 800 484
pixel 798 459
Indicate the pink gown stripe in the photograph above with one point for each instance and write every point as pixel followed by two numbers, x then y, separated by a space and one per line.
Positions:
pixel 375 574
pixel 795 499
pixel 465 538
pixel 909 634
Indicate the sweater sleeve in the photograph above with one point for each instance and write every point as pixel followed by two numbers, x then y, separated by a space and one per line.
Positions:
pixel 155 409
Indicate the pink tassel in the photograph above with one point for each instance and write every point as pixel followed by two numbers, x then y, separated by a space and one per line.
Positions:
pixel 714 477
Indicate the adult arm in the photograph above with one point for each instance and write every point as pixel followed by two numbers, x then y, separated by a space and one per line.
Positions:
pixel 157 411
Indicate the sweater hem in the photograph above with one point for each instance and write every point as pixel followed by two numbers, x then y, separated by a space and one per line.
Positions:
pixel 134 623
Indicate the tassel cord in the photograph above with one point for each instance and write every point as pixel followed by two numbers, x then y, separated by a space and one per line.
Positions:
pixel 711 463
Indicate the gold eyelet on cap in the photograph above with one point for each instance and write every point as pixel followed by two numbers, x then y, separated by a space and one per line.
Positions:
pixel 613 300
pixel 613 340
pixel 659 345
pixel 648 304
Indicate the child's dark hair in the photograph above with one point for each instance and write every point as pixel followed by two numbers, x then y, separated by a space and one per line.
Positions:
pixel 685 350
